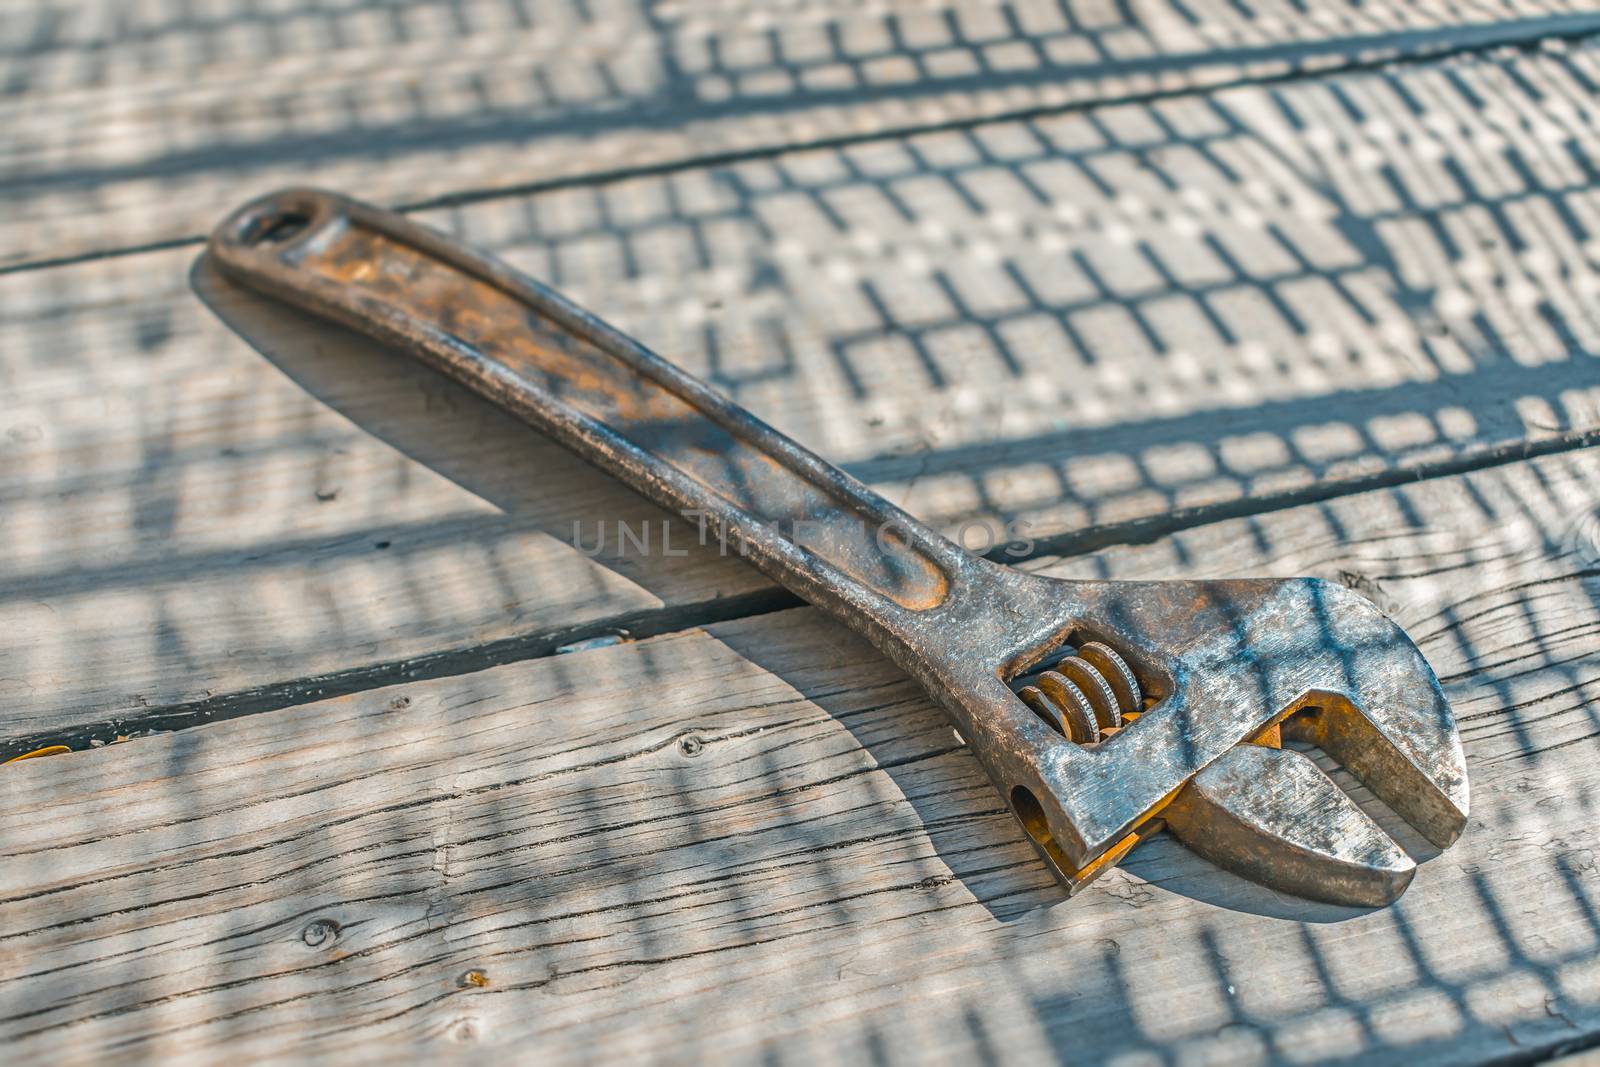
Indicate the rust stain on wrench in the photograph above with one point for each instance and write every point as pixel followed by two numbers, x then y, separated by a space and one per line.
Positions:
pixel 1101 710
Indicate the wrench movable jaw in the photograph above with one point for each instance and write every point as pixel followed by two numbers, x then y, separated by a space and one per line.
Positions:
pixel 1272 816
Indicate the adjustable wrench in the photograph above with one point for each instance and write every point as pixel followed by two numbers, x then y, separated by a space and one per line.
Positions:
pixel 1102 711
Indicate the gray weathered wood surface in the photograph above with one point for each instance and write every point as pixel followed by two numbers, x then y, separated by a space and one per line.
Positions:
pixel 830 877
pixel 1099 318
pixel 131 124
pixel 1267 308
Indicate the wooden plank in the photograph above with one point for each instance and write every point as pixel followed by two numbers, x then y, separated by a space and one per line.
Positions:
pixel 759 843
pixel 188 521
pixel 1230 301
pixel 132 124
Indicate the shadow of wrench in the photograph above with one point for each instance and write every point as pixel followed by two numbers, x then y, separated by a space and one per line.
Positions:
pixel 1102 711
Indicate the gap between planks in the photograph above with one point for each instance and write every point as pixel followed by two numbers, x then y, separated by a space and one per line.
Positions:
pixel 1376 53
pixel 662 621
pixel 825 876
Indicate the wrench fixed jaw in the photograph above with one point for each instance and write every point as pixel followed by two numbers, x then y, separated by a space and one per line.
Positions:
pixel 1225 664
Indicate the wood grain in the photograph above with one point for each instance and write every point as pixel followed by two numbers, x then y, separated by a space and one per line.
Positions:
pixel 136 124
pixel 1089 326
pixel 759 843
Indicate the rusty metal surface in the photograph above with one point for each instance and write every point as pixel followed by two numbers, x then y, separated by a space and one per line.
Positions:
pixel 1273 816
pixel 1148 683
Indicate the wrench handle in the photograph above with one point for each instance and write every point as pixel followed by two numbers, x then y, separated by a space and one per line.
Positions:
pixel 801 520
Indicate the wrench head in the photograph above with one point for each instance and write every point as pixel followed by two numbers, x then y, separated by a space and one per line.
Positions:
pixel 1224 664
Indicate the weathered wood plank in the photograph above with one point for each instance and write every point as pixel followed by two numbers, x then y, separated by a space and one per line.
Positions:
pixel 130 124
pixel 822 874
pixel 188 522
pixel 1091 319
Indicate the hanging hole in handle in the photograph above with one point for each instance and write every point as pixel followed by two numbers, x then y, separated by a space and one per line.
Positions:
pixel 276 227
